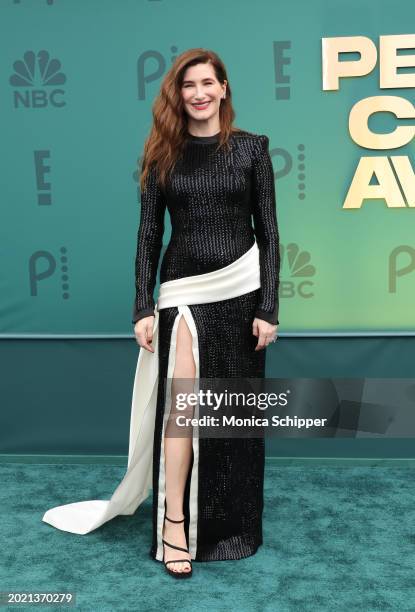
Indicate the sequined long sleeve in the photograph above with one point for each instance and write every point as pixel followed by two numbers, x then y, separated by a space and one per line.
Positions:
pixel 266 231
pixel 149 243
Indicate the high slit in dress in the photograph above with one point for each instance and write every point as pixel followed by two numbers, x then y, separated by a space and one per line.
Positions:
pixel 219 272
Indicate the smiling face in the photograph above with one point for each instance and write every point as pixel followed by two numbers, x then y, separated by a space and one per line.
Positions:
pixel 202 94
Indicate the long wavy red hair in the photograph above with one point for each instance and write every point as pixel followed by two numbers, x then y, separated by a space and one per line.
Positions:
pixel 165 142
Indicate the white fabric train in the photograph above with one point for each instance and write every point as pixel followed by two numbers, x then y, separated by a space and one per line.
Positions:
pixel 237 278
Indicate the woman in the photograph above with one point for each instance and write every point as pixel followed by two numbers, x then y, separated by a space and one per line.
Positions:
pixel 217 311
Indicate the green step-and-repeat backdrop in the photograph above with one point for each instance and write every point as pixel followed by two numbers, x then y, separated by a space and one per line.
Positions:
pixel 331 84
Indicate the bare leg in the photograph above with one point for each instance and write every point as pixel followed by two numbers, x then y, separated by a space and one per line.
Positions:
pixel 178 451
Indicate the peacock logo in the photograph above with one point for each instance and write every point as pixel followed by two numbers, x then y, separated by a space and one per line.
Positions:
pixel 300 270
pixel 37 78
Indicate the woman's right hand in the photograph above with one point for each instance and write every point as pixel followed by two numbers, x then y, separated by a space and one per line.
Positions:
pixel 143 331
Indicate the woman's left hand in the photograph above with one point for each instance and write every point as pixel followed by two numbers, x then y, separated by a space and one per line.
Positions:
pixel 265 332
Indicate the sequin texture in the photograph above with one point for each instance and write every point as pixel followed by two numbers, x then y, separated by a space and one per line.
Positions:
pixel 219 201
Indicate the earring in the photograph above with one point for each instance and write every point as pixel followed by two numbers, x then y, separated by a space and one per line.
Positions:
pixel 224 95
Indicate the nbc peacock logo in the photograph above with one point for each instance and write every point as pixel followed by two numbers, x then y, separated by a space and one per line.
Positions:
pixel 301 271
pixel 37 79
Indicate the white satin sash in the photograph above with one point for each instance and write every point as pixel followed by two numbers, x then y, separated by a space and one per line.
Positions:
pixel 237 278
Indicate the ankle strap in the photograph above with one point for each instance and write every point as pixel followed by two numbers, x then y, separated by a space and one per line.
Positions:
pixel 172 521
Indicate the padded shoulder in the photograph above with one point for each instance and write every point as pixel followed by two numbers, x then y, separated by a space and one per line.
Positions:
pixel 245 134
pixel 259 141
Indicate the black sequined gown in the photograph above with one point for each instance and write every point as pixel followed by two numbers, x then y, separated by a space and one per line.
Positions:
pixel 213 197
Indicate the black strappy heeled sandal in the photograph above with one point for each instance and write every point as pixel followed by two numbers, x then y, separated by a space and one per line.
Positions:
pixel 171 572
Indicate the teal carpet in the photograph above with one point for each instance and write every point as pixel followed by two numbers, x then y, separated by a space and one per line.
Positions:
pixel 336 537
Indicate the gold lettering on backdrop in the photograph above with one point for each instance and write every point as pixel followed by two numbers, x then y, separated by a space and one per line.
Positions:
pixel 406 176
pixel 390 61
pixel 363 109
pixel 394 175
pixel 333 68
pixel 360 189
